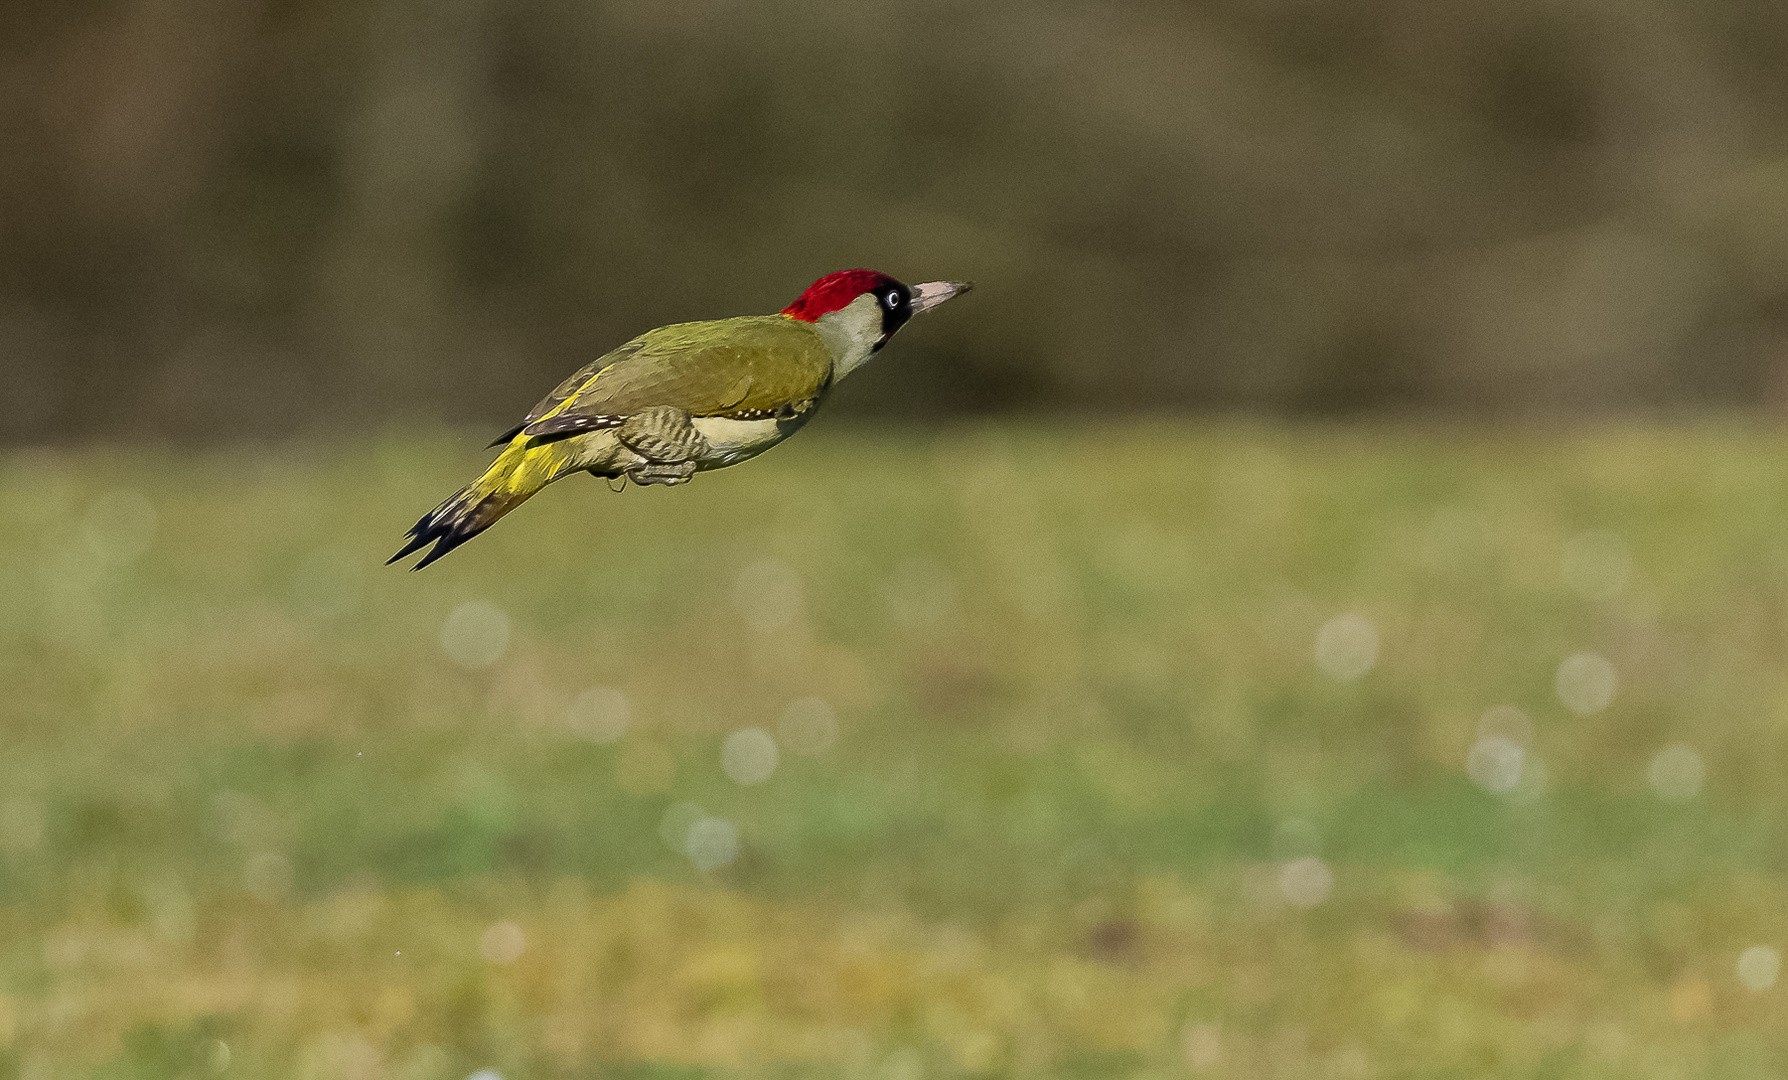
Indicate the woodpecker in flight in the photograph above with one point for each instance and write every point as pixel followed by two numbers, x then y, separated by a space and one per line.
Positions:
pixel 686 398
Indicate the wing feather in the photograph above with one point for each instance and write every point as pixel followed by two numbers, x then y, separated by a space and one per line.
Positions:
pixel 755 364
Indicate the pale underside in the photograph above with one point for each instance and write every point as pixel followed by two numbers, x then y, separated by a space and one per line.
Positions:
pixel 724 441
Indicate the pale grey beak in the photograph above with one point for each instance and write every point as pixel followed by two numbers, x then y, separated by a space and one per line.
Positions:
pixel 932 293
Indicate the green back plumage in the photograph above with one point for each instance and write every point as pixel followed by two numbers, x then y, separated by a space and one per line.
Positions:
pixel 751 364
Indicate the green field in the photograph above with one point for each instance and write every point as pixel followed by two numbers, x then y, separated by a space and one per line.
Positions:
pixel 1164 753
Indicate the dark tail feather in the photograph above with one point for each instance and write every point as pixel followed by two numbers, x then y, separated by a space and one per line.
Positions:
pixel 454 522
pixel 446 543
pixel 418 538
pixel 517 473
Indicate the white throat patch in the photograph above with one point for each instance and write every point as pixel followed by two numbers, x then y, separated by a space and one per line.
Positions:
pixel 851 333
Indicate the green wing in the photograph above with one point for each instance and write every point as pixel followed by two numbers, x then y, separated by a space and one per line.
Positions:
pixel 577 381
pixel 757 365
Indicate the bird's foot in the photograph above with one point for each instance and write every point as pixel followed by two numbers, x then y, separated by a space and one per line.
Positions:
pixel 669 474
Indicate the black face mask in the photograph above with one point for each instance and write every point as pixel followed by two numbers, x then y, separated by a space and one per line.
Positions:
pixel 896 302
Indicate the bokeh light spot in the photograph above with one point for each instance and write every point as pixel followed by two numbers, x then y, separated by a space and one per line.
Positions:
pixel 1494 764
pixel 1758 967
pixel 475 635
pixel 808 726
pixel 1347 646
pixel 768 594
pixel 749 756
pixel 1306 882
pixel 1585 683
pixel 1597 565
pixel 502 943
pixel 712 843
pixel 1676 773
pixel 673 826
pixel 1498 760
pixel 216 1056
pixel 486 1074
pixel 599 714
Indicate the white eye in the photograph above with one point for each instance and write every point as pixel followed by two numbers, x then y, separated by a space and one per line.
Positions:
pixel 893 299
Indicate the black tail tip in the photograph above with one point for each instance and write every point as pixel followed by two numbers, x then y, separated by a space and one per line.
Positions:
pixel 444 529
pixel 418 538
pixel 442 546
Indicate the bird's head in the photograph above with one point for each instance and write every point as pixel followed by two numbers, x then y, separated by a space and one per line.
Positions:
pixel 859 310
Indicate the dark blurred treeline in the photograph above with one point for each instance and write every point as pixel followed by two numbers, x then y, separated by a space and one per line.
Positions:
pixel 226 217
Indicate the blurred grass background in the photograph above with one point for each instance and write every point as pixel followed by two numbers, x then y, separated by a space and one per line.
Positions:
pixel 1175 752
pixel 1318 610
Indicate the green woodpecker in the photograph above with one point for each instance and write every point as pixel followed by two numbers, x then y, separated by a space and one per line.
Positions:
pixel 686 398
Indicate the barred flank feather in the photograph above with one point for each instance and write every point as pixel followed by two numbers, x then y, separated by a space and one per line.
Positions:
pixel 519 471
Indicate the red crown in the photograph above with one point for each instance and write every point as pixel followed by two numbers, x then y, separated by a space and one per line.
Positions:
pixel 834 291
